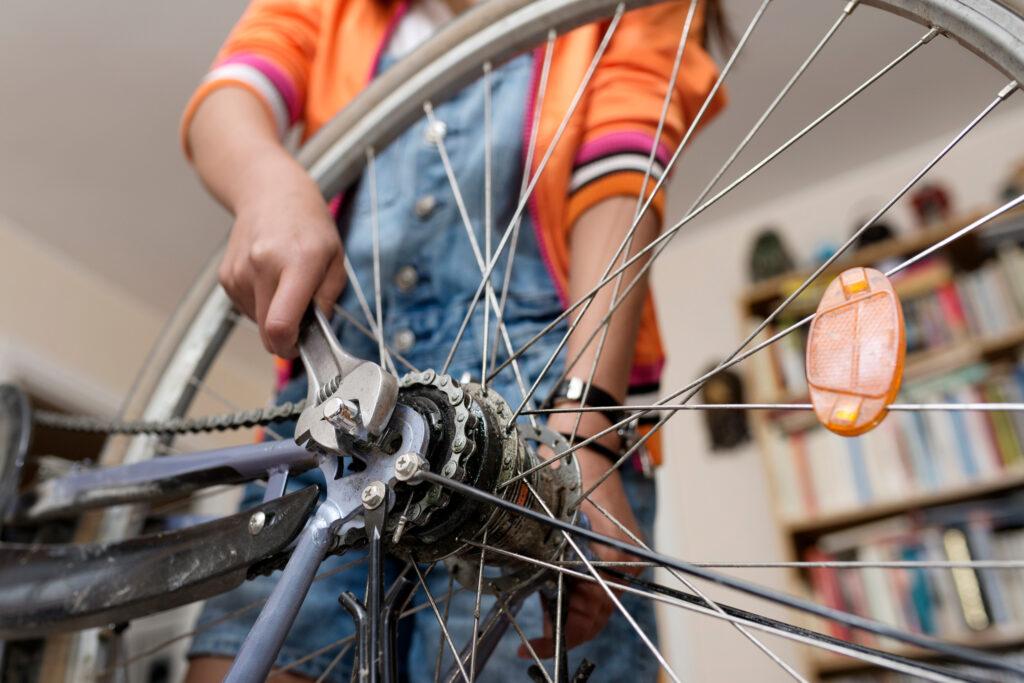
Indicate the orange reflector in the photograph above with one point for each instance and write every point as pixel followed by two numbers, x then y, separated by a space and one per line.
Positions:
pixel 855 351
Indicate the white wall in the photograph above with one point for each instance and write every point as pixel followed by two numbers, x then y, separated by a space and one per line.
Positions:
pixel 716 507
pixel 77 340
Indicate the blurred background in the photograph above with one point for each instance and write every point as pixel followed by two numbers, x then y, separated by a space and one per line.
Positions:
pixel 103 228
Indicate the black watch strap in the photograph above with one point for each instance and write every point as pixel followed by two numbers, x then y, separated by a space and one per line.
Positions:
pixel 595 446
pixel 573 388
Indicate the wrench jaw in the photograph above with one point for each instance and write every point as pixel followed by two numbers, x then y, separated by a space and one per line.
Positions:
pixel 365 399
pixel 349 399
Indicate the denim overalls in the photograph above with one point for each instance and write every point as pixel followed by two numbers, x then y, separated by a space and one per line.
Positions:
pixel 428 276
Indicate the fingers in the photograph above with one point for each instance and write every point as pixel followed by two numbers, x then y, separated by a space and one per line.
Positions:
pixel 237 286
pixel 291 298
pixel 588 612
pixel 333 284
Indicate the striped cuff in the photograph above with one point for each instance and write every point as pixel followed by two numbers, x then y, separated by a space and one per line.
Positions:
pixel 615 165
pixel 268 82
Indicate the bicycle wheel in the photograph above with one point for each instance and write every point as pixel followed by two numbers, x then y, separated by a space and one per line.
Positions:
pixel 486 36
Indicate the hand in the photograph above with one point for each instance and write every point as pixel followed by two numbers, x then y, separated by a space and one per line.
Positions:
pixel 284 251
pixel 589 606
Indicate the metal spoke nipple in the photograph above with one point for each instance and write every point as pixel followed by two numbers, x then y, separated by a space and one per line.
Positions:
pixel 373 495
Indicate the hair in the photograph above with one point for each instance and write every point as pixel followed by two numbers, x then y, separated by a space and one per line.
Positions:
pixel 717 32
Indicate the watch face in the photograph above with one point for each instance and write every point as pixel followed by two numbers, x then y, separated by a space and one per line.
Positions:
pixel 574 391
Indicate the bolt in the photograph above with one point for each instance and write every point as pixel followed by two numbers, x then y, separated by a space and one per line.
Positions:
pixel 459 444
pixel 342 414
pixel 373 495
pixel 257 522
pixel 408 465
pixel 449 469
pixel 455 397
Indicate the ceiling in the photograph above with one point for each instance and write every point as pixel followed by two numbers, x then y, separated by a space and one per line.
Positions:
pixel 91 94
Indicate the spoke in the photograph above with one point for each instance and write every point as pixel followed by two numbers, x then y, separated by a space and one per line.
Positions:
pixel 607 590
pixel 440 644
pixel 748 619
pixel 524 200
pixel 627 242
pixel 487 226
pixel 365 331
pixel 347 641
pixel 966 230
pixel 476 612
pixel 693 588
pixel 992 215
pixel 371 171
pixel 440 621
pixel 727 581
pixel 667 235
pixel 1000 97
pixel 357 289
pixel 777 101
pixel 603 326
pixel 559 601
pixel 666 102
pixel 468 225
pixel 334 662
pixel 675 407
pixel 503 607
pixel 542 88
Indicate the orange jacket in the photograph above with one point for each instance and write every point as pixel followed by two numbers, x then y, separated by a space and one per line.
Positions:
pixel 306 59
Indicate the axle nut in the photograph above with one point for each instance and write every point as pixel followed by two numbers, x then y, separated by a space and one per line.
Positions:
pixel 343 415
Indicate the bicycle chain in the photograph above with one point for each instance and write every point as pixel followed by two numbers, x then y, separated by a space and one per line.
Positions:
pixel 257 417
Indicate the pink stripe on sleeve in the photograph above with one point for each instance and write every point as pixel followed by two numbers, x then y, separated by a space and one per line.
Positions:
pixel 276 75
pixel 646 374
pixel 615 143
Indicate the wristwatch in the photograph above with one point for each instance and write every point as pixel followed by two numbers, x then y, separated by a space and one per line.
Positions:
pixel 572 389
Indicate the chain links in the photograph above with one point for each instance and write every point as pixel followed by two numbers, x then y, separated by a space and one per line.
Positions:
pixel 257 417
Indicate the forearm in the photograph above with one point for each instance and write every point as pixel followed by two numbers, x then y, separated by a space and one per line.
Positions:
pixel 596 237
pixel 284 249
pixel 234 147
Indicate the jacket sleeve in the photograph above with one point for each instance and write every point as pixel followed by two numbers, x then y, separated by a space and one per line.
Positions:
pixel 626 100
pixel 269 53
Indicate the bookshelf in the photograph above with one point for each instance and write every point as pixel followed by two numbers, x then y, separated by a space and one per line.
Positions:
pixel 908 487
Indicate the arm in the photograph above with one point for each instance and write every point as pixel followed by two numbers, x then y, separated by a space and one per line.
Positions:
pixel 284 249
pixel 596 235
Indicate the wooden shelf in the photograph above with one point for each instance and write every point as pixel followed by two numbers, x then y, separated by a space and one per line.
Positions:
pixel 830 521
pixel 798 533
pixel 994 638
pixel 782 285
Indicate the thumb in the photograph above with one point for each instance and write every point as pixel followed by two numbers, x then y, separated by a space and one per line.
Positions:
pixel 331 287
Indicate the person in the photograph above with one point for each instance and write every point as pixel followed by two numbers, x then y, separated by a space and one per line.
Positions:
pixel 294 63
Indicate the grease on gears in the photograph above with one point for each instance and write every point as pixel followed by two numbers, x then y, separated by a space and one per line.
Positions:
pixel 469 444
